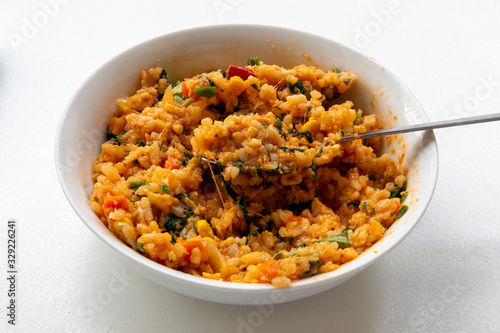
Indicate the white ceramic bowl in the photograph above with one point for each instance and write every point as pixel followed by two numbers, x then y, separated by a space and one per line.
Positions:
pixel 83 127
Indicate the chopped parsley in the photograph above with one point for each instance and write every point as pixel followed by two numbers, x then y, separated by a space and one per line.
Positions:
pixel 301 244
pixel 165 189
pixel 188 155
pixel 253 61
pixel 270 225
pixel 313 168
pixel 306 133
pixel 291 149
pixel 397 191
pixel 140 247
pixel 239 165
pixel 298 85
pixel 401 212
pixel 279 124
pixel 136 185
pixel 174 224
pixel 342 239
pixel 354 203
pixel 284 239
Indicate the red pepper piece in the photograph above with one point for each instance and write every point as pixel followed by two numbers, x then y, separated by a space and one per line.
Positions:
pixel 240 71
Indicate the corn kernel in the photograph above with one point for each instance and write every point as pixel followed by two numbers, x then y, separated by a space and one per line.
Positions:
pixel 312 126
pixel 236 85
pixel 204 229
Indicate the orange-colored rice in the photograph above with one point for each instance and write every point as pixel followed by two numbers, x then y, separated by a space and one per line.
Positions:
pixel 311 186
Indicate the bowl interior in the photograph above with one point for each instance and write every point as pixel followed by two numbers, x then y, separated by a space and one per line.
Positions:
pixel 83 126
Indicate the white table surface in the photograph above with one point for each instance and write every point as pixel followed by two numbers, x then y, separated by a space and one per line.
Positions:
pixel 445 277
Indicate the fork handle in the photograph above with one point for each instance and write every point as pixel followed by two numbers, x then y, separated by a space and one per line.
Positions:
pixel 423 127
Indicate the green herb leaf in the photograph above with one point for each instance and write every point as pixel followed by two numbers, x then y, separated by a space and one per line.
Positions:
pixel 346 81
pixel 354 203
pixel 284 239
pixel 292 149
pixel 301 244
pixel 364 206
pixel 119 136
pixel 181 196
pixel 279 124
pixel 115 139
pixel 250 234
pixel 239 165
pixel 264 124
pixel 293 255
pixel 253 61
pixel 278 256
pixel 270 225
pixel 140 247
pixel 212 84
pixel 397 191
pixel 242 204
pixel 306 133
pixel 163 75
pixel 174 223
pixel 223 72
pixel 300 86
pixel 165 189
pixel 342 239
pixel 254 85
pixel 141 143
pixel 401 212
pixel 136 185
pixel 313 168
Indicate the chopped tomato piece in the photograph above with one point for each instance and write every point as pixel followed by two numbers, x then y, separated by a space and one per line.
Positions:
pixel 240 71
pixel 185 90
pixel 190 244
pixel 172 163
pixel 270 269
pixel 115 202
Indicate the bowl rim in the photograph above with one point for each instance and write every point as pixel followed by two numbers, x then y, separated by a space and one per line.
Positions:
pixel 345 270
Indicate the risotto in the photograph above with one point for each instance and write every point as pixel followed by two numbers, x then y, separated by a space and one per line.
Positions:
pixel 239 175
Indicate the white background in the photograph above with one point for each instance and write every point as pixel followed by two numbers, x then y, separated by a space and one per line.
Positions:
pixel 445 277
